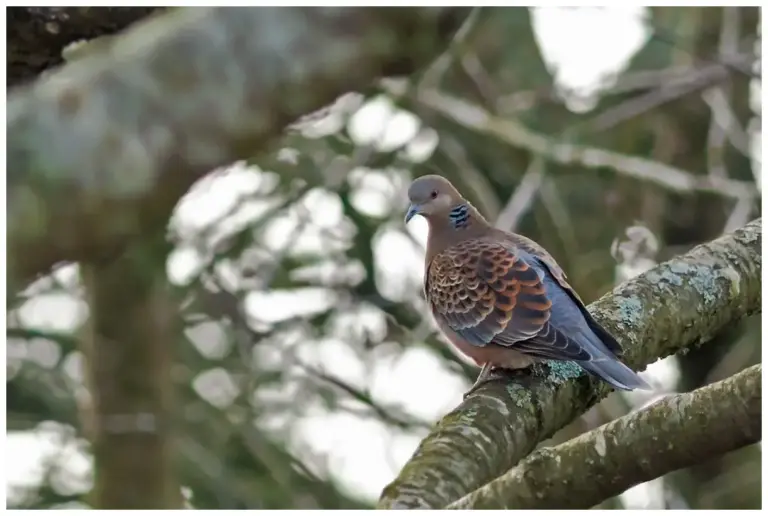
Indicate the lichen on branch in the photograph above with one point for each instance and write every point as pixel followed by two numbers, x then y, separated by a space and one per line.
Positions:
pixel 673 433
pixel 675 306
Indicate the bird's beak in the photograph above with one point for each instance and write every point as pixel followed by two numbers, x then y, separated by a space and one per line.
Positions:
pixel 413 209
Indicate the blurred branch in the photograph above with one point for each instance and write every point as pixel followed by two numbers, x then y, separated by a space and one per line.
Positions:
pixel 633 80
pixel 128 346
pixel 673 433
pixel 669 37
pixel 405 325
pixel 34 391
pixel 723 124
pixel 740 214
pixel 556 207
pixel 66 340
pixel 387 415
pixel 37 35
pixel 471 178
pixel 673 307
pixel 123 132
pixel 698 79
pixel 724 117
pixel 516 134
pixel 433 75
pixel 522 199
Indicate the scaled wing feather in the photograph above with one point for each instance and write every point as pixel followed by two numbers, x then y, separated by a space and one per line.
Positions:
pixel 486 293
pixel 489 295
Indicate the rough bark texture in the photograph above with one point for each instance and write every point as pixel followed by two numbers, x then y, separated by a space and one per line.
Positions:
pixel 100 151
pixel 673 433
pixel 37 35
pixel 674 306
pixel 129 356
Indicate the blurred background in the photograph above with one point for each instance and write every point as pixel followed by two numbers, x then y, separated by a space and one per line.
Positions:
pixel 306 370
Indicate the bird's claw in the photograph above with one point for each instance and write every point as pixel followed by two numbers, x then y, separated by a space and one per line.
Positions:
pixel 487 374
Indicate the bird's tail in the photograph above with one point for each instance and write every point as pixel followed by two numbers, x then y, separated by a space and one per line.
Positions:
pixel 616 374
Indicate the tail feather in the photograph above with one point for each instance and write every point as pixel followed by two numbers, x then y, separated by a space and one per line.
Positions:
pixel 616 374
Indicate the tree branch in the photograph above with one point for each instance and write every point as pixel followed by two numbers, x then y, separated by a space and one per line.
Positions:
pixel 37 35
pixel 100 151
pixel 522 199
pixel 676 432
pixel 698 79
pixel 516 134
pixel 128 346
pixel 675 306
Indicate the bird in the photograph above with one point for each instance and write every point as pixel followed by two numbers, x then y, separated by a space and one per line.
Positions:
pixel 500 298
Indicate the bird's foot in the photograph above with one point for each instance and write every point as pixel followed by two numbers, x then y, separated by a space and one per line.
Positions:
pixel 490 373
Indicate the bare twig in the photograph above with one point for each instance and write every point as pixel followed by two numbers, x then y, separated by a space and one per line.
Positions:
pixel 387 414
pixel 650 79
pixel 516 134
pixel 473 179
pixel 474 69
pixel 436 71
pixel 698 79
pixel 740 214
pixel 724 117
pixel 522 199
pixel 556 208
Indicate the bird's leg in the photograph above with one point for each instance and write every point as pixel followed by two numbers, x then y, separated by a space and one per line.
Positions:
pixel 491 372
pixel 485 372
pixel 484 377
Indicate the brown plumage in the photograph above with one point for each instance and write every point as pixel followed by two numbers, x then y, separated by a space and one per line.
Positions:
pixel 501 298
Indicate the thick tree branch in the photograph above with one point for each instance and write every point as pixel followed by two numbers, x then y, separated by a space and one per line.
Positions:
pixel 100 151
pixel 676 432
pixel 37 35
pixel 674 306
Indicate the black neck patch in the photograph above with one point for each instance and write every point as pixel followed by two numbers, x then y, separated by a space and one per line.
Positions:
pixel 459 216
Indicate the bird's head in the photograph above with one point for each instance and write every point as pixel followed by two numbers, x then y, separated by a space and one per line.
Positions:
pixel 435 198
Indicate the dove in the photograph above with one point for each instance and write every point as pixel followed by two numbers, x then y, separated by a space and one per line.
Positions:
pixel 500 298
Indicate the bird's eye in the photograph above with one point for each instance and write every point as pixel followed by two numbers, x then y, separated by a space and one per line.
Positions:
pixel 433 194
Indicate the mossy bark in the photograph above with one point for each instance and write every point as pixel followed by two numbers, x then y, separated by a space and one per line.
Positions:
pixel 676 432
pixel 100 151
pixel 673 307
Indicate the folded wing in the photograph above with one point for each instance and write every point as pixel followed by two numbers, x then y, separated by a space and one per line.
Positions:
pixel 489 294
